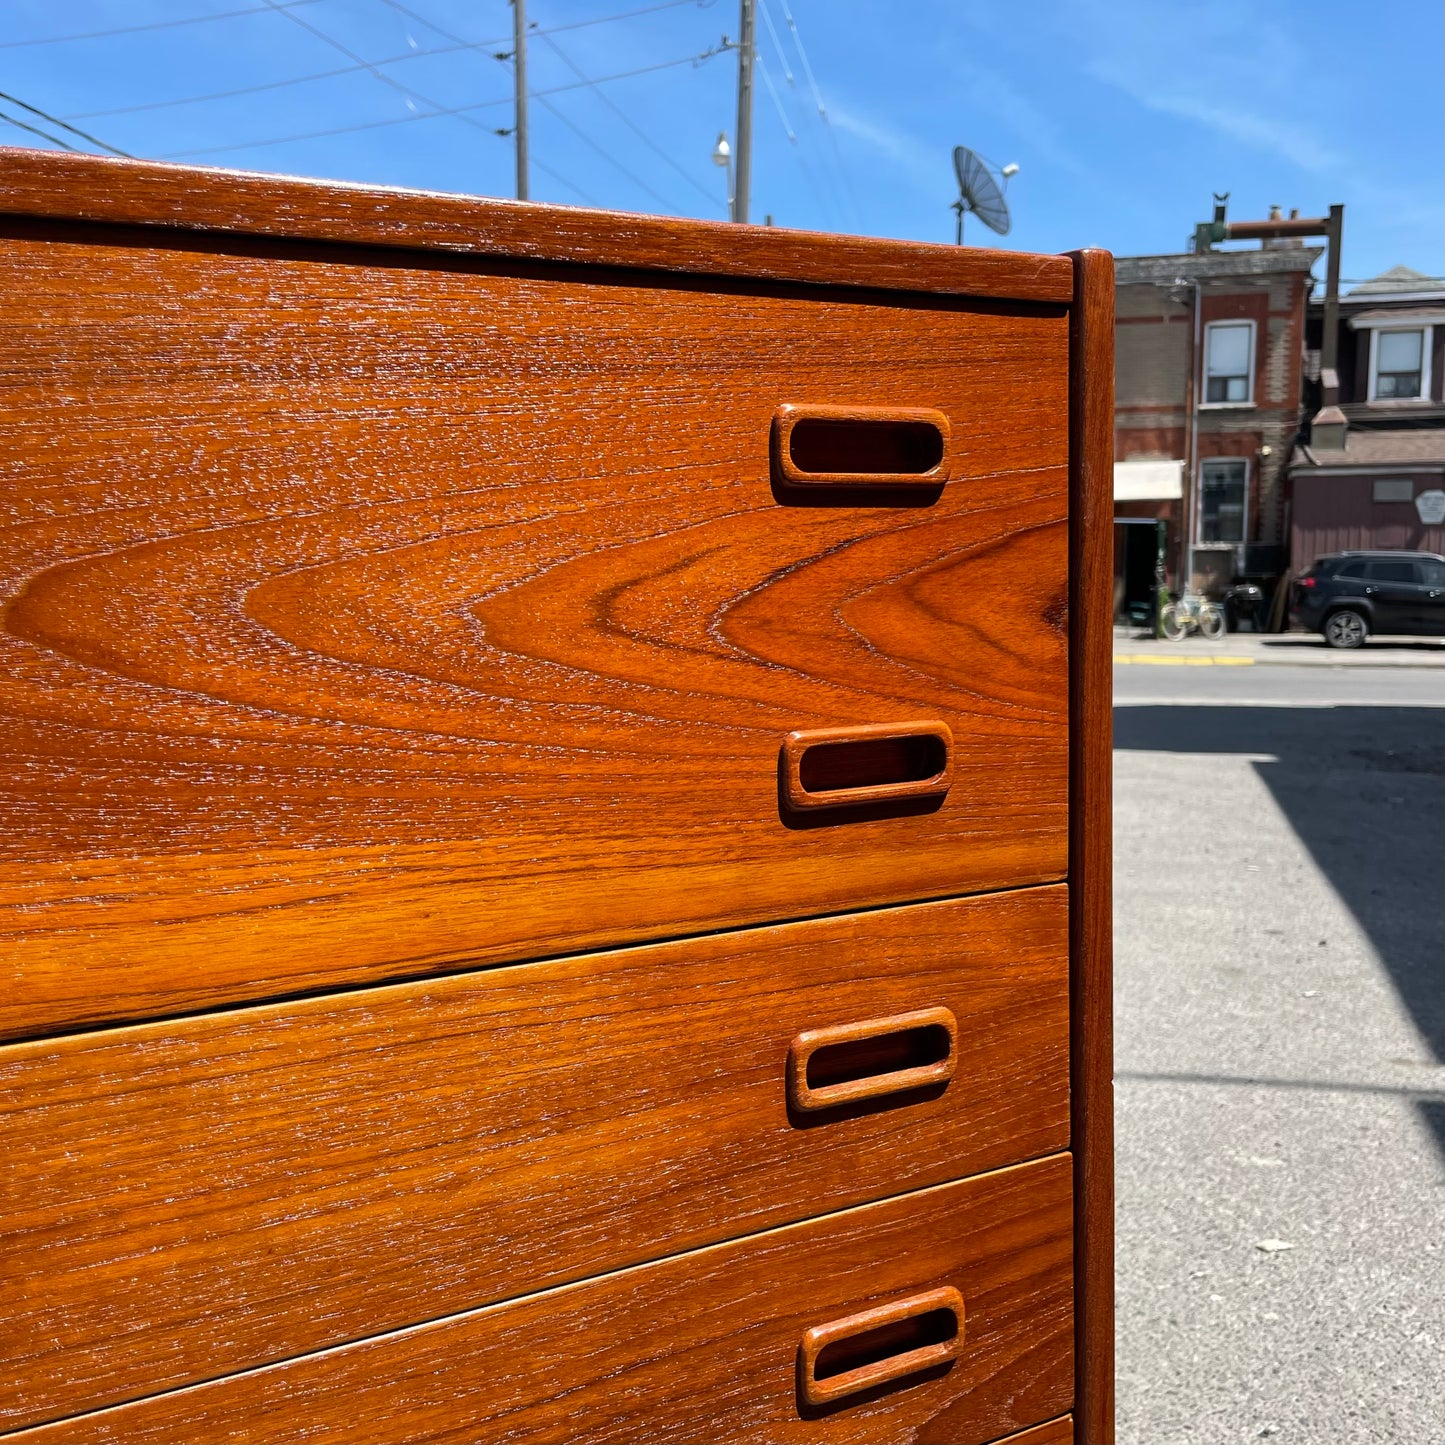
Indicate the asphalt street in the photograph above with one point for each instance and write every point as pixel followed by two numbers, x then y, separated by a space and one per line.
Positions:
pixel 1280 1053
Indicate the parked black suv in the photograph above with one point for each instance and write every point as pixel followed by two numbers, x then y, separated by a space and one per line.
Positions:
pixel 1348 595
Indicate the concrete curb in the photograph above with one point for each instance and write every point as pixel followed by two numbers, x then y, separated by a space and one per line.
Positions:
pixel 1249 651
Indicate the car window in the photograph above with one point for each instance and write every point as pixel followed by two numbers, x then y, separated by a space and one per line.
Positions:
pixel 1432 571
pixel 1351 569
pixel 1392 571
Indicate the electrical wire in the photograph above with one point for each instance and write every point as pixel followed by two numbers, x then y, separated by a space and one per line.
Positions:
pixel 281 84
pixel 406 90
pixel 436 114
pixel 812 79
pixel 777 44
pixel 35 130
pixel 805 164
pixel 777 100
pixel 630 123
pixel 155 25
pixel 556 176
pixel 611 159
pixel 65 125
pixel 546 35
pixel 354 69
pixel 437 107
pixel 553 29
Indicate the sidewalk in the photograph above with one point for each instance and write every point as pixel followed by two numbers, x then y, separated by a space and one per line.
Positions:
pixel 1285 649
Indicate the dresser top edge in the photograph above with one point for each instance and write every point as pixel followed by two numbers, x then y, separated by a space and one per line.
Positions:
pixel 75 187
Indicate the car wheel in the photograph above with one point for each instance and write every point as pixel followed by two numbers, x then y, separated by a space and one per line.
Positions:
pixel 1346 628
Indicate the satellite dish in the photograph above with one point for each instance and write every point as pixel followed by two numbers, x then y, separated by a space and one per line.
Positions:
pixel 978 192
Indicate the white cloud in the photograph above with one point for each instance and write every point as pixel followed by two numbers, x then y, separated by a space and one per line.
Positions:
pixel 917 157
pixel 1224 66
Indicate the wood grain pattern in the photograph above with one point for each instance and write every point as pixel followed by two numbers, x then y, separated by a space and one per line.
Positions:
pixel 188 1198
pixel 150 193
pixel 698 1347
pixel 370 613
pixel 1091 834
pixel 1051 1432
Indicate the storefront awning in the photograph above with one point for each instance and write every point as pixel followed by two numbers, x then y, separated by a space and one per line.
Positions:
pixel 1148 481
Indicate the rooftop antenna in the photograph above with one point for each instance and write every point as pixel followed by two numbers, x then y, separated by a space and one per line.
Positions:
pixel 979 192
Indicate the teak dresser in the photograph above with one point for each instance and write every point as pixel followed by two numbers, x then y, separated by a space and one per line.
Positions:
pixel 557 818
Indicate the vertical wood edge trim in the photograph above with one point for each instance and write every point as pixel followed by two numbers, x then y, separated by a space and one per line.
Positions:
pixel 106 189
pixel 1091 449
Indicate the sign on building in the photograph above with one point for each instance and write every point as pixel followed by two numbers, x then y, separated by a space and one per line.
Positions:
pixel 1431 507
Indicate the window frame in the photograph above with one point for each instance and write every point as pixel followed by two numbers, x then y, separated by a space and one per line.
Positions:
pixel 1413 580
pixel 1244 500
pixel 1249 323
pixel 1426 333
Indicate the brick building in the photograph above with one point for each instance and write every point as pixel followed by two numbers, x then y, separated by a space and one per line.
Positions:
pixel 1209 357
pixel 1371 471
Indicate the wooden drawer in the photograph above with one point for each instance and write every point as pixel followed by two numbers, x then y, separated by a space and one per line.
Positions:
pixel 703 1346
pixel 194 1197
pixel 370 613
pixel 1051 1432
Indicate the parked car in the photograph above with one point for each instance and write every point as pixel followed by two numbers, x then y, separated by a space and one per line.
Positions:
pixel 1348 595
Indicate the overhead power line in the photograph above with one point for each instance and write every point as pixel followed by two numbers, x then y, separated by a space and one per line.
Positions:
pixel 546 35
pixel 406 90
pixel 281 84
pixel 154 25
pixel 64 125
pixel 332 74
pixel 627 119
pixel 818 101
pixel 606 155
pixel 437 107
pixel 777 101
pixel 777 44
pixel 551 29
pixel 459 110
pixel 35 130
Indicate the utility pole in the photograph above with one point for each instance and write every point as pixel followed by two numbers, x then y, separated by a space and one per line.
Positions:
pixel 743 174
pixel 519 73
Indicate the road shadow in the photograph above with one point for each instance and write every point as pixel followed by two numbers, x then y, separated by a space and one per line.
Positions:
pixel 1364 789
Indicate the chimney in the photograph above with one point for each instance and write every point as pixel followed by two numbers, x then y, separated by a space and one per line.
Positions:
pixel 1328 425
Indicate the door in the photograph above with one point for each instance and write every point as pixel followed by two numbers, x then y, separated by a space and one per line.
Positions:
pixel 1429 618
pixel 1391 587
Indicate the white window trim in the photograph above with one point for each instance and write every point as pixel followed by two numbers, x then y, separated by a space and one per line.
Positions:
pixel 1427 338
pixel 1206 405
pixel 1199 542
pixel 1398 321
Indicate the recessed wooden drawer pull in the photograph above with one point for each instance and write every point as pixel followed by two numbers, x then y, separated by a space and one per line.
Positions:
pixel 876 1346
pixel 861 446
pixel 877 763
pixel 849 1062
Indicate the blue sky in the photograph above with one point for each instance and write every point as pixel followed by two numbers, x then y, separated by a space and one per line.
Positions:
pixel 1123 115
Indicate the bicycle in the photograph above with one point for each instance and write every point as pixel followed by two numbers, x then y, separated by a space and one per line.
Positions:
pixel 1188 614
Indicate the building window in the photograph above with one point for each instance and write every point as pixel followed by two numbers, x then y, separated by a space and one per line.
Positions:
pixel 1229 363
pixel 1223 483
pixel 1398 365
pixel 1388 490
